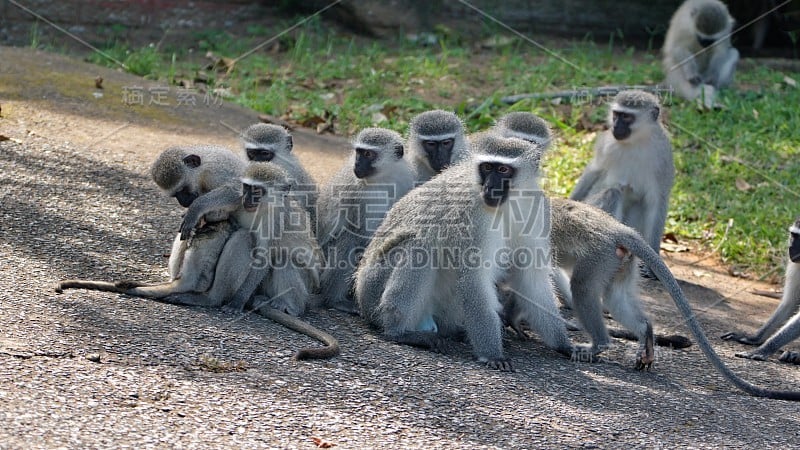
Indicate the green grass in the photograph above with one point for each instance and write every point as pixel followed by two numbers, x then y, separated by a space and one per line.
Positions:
pixel 318 74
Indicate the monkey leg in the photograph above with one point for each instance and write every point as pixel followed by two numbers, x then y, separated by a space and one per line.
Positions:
pixel 405 304
pixel 722 67
pixel 785 310
pixel 588 281
pixel 622 299
pixel 785 335
pixel 537 307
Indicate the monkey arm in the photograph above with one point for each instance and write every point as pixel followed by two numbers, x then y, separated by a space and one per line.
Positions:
pixel 685 62
pixel 223 199
pixel 585 184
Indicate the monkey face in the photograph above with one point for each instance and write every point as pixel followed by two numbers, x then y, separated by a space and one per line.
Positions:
pixel 251 196
pixel 365 162
pixel 794 247
pixel 496 180
pixel 705 41
pixel 260 154
pixel 185 196
pixel 438 153
pixel 621 126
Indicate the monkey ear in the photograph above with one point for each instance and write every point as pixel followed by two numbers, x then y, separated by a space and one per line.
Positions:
pixel 192 161
pixel 398 150
pixel 290 144
pixel 656 111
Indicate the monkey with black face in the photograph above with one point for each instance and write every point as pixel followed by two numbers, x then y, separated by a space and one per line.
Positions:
pixel 697 49
pixel 784 324
pixel 432 267
pixel 592 238
pixel 272 143
pixel 195 176
pixel 353 204
pixel 634 158
pixel 436 141
pixel 273 260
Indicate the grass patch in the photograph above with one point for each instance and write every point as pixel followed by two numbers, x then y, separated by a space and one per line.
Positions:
pixel 737 168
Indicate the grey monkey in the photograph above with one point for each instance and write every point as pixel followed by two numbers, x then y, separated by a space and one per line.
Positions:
pixel 697 49
pixel 585 230
pixel 432 267
pixel 635 158
pixel 273 260
pixel 272 143
pixel 353 203
pixel 193 175
pixel 784 324
pixel 436 141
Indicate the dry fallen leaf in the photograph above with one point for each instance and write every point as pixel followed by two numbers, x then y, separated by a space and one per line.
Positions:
pixel 790 81
pixel 743 185
pixel 320 443
pixel 674 248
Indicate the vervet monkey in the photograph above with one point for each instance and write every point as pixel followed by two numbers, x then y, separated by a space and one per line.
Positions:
pixel 532 128
pixel 272 143
pixel 353 204
pixel 697 49
pixel 193 175
pixel 432 267
pixel 606 248
pixel 272 259
pixel 635 158
pixel 784 324
pixel 436 141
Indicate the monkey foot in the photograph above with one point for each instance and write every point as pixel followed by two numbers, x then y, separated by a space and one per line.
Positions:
pixel 790 357
pixel 740 338
pixel 644 362
pixel 752 355
pixel 501 364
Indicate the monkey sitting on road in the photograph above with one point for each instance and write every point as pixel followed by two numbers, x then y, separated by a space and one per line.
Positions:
pixel 432 267
pixel 353 204
pixel 272 143
pixel 698 55
pixel 784 324
pixel 193 175
pixel 436 141
pixel 634 158
pixel 273 260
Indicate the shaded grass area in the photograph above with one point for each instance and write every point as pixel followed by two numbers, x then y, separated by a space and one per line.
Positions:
pixel 736 188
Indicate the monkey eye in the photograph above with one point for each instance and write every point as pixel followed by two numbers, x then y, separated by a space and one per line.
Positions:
pixel 430 145
pixel 485 167
pixel 503 169
pixel 369 154
pixel 625 117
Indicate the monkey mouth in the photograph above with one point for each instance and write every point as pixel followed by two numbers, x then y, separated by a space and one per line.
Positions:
pixel 250 208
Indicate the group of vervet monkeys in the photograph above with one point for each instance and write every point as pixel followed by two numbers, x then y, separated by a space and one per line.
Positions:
pixel 439 235
pixel 435 236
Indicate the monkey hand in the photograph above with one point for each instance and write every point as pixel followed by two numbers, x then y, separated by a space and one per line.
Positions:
pixel 740 338
pixel 187 225
pixel 696 80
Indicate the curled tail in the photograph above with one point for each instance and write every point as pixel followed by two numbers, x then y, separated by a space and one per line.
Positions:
pixel 331 347
pixel 643 251
pixel 120 287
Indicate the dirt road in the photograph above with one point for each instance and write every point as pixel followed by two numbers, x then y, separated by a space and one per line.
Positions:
pixel 89 370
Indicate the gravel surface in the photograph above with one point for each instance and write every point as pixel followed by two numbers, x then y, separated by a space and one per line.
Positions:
pixel 96 370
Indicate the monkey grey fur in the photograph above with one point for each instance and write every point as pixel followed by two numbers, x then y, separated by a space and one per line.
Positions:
pixel 436 141
pixel 635 158
pixel 459 223
pixel 697 49
pixel 193 175
pixel 353 204
pixel 612 246
pixel 272 143
pixel 784 324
